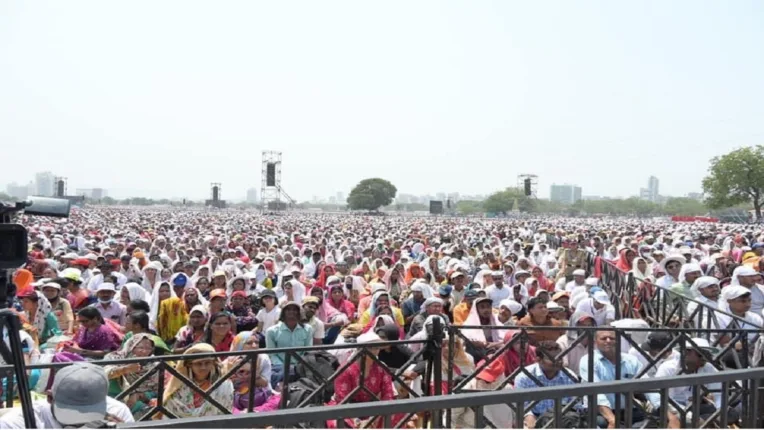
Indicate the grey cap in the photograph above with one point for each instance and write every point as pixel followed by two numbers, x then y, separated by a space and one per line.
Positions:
pixel 79 394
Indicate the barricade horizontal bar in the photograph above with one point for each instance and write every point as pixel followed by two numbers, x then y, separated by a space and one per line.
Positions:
pixel 607 328
pixel 176 357
pixel 463 400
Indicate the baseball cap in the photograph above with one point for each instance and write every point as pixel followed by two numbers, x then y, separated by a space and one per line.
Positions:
pixel 79 393
pixel 601 297
pixel 180 280
pixel 445 290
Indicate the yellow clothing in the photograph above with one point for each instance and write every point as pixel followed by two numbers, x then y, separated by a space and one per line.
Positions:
pixel 172 317
pixel 461 312
pixel 366 317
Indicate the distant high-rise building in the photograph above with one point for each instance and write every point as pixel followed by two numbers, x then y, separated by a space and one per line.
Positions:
pixel 567 194
pixel 91 193
pixel 45 184
pixel 341 198
pixel 252 195
pixel 97 193
pixel 652 189
pixel 20 192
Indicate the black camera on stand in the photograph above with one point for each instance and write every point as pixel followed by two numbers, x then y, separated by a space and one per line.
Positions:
pixel 14 254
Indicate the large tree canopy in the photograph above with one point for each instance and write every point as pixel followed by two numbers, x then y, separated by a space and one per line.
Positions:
pixel 371 194
pixel 737 177
pixel 504 201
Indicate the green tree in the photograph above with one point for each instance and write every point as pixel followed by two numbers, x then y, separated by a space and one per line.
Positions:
pixel 684 206
pixel 469 207
pixel 504 201
pixel 371 194
pixel 737 177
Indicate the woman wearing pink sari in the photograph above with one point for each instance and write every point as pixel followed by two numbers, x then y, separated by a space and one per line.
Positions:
pixel 338 300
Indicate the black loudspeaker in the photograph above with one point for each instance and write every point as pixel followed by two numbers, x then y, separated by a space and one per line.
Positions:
pixel 436 207
pixel 60 189
pixel 527 186
pixel 215 194
pixel 270 175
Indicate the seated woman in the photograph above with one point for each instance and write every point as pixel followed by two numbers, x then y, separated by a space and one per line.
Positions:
pixel 61 307
pixel 193 332
pixel 40 315
pixel 378 300
pixel 172 317
pixel 242 312
pixel 123 376
pixel 183 402
pixel 219 332
pixel 376 381
pixel 264 398
pixel 93 339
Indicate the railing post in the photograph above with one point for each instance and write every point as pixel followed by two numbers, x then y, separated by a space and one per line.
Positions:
pixel 592 399
pixel 452 333
pixel 285 381
pixel 252 382
pixel 437 356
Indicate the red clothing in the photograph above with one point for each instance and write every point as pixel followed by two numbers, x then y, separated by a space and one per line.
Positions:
pixel 345 306
pixel 377 381
pixel 225 344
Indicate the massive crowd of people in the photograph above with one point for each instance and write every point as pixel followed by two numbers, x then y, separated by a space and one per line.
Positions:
pixel 114 283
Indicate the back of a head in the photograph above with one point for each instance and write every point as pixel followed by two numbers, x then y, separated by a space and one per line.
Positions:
pixel 79 394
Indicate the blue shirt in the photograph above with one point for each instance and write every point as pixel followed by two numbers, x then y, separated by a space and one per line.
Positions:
pixel 410 307
pixel 279 336
pixel 604 371
pixel 523 381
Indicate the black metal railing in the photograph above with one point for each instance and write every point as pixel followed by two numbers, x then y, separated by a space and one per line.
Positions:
pixel 733 354
pixel 163 367
pixel 479 401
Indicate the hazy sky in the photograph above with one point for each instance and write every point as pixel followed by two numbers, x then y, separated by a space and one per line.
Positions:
pixel 162 98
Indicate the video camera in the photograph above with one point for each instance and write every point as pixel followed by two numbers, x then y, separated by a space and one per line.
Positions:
pixel 14 254
pixel 13 237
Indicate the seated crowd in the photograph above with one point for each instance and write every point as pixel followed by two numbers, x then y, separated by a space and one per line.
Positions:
pixel 102 296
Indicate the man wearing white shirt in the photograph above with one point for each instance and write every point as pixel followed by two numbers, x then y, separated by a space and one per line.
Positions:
pixel 694 363
pixel 498 291
pixel 78 397
pixel 579 280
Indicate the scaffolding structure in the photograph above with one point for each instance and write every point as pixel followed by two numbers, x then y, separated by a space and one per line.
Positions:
pixel 272 193
pixel 534 183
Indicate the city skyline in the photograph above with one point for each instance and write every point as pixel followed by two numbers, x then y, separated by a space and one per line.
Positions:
pixel 425 107
pixel 566 193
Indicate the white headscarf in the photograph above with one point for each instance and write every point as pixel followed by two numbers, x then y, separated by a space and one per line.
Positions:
pixel 137 292
pixel 473 319
pixel 146 284
pixel 154 305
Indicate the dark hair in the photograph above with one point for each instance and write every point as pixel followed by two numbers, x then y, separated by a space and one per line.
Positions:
pixel 63 282
pixel 535 301
pixel 140 318
pixel 208 331
pixel 140 305
pixel 547 348
pixel 90 312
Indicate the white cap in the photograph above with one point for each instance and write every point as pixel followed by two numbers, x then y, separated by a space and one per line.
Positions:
pixel 552 306
pixel 592 281
pixel 601 297
pixel 106 286
pixel 579 272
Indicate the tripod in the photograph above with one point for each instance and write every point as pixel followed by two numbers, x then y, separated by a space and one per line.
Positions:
pixel 10 325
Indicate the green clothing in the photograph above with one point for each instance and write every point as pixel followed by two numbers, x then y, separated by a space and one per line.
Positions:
pixel 51 328
pixel 682 289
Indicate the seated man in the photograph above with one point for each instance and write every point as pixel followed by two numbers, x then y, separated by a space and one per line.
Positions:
pixel 548 371
pixel 694 363
pixel 604 370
